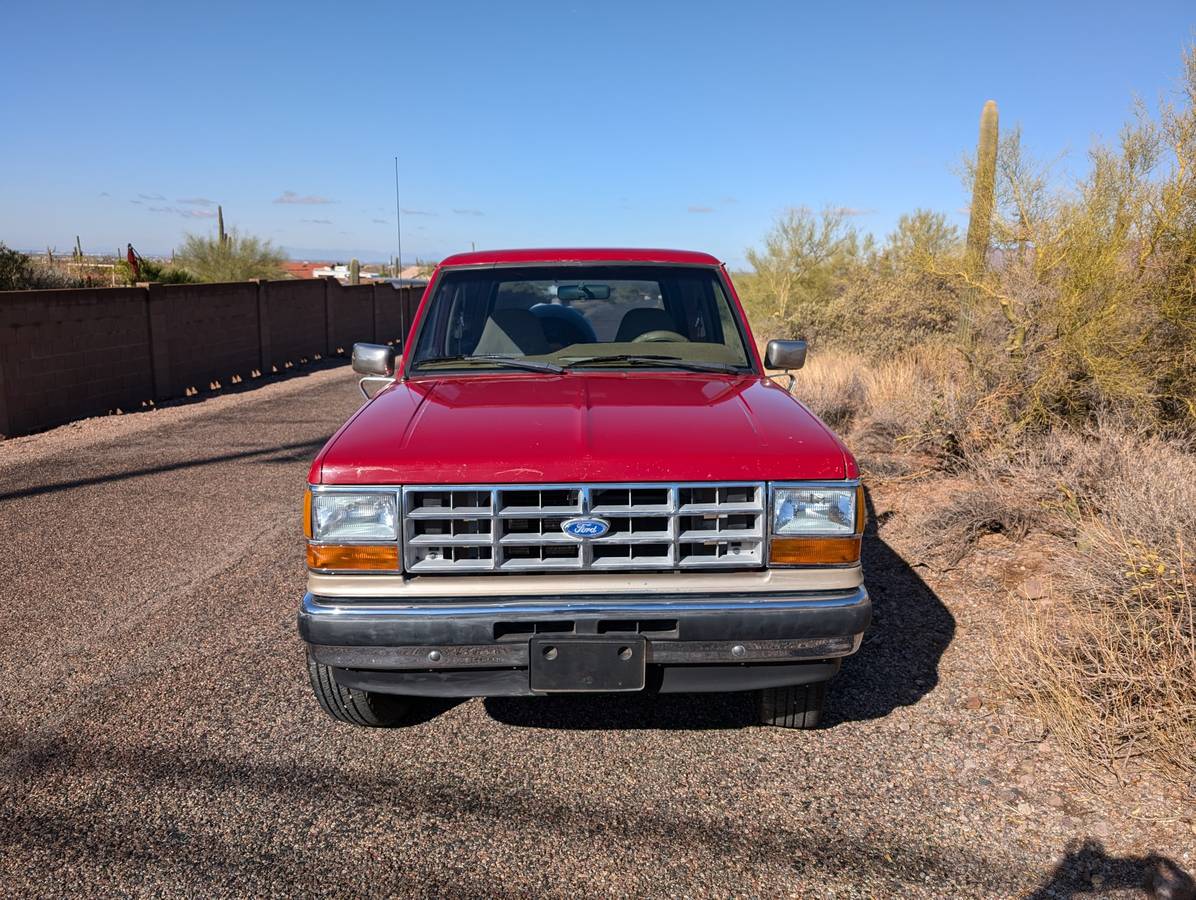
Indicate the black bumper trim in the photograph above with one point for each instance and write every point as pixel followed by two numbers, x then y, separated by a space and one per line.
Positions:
pixel 514 682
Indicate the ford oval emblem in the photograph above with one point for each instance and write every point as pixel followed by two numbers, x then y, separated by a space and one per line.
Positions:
pixel 585 529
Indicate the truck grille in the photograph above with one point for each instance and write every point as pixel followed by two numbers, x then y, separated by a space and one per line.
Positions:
pixel 517 528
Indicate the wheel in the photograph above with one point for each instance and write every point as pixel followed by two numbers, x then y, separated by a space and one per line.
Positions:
pixel 792 706
pixel 366 708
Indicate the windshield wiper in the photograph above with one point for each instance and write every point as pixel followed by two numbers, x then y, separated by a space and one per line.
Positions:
pixel 509 362
pixel 671 361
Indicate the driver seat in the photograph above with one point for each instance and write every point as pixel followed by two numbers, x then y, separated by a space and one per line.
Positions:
pixel 643 319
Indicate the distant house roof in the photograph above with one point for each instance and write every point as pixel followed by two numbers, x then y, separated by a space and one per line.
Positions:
pixel 302 269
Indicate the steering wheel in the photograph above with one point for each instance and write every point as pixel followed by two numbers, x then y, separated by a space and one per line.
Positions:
pixel 661 334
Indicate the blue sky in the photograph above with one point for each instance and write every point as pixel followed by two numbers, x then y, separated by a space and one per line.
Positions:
pixel 523 124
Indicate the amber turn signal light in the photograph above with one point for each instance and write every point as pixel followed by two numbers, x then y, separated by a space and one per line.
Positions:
pixel 353 557
pixel 814 551
pixel 307 514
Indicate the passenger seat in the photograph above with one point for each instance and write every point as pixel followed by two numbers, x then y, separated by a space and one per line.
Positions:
pixel 511 332
pixel 643 319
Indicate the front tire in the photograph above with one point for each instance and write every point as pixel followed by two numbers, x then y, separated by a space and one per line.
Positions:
pixel 792 706
pixel 367 709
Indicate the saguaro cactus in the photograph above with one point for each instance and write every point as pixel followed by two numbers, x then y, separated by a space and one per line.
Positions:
pixel 983 190
pixel 980 223
pixel 354 271
pixel 220 225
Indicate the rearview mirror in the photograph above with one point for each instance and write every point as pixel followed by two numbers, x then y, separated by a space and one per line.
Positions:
pixel 785 355
pixel 583 292
pixel 377 360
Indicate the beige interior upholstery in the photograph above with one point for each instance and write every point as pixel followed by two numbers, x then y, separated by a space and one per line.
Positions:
pixel 641 320
pixel 511 332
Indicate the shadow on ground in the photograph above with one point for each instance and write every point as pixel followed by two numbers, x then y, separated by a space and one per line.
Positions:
pixel 277 455
pixel 896 666
pixel 1088 869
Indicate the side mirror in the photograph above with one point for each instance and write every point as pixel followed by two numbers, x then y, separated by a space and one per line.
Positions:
pixel 374 360
pixel 375 363
pixel 786 355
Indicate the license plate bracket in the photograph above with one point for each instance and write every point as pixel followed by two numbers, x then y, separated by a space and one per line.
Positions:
pixel 586 664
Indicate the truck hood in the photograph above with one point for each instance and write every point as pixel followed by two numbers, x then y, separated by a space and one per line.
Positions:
pixel 591 427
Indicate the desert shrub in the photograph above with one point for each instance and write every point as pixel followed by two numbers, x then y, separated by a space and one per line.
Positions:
pixel 899 404
pixel 235 258
pixel 151 270
pixel 816 277
pixel 984 507
pixel 1089 307
pixel 887 311
pixel 21 272
pixel 1108 661
pixel 806 260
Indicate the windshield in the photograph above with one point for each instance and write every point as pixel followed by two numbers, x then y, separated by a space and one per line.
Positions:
pixel 564 318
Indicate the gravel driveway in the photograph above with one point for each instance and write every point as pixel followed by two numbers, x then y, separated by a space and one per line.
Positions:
pixel 157 734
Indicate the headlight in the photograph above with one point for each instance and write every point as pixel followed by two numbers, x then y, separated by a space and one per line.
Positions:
pixel 816 510
pixel 352 517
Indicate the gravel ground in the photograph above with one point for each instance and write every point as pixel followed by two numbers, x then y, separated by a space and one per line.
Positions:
pixel 158 736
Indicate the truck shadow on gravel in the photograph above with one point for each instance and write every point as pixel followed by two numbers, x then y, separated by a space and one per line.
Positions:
pixel 896 666
pixel 1088 869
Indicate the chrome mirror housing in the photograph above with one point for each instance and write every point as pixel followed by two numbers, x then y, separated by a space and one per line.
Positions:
pixel 374 359
pixel 376 363
pixel 787 355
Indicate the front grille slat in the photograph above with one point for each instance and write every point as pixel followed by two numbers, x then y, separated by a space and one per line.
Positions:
pixel 517 528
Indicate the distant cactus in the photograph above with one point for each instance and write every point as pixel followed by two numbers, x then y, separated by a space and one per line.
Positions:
pixel 983 190
pixel 78 249
pixel 354 272
pixel 220 225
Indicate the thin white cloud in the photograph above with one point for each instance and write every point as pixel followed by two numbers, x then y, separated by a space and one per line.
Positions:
pixel 185 213
pixel 196 201
pixel 418 212
pixel 701 209
pixel 306 200
pixel 380 221
pixel 158 198
pixel 469 212
pixel 855 211
pixel 317 221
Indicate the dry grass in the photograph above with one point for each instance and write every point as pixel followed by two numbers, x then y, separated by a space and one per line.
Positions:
pixel 1107 661
pixel 899 404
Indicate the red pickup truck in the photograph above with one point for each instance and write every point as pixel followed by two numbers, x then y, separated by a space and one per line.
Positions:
pixel 578 477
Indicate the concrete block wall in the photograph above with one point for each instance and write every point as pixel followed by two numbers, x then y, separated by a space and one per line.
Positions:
pixel 351 314
pixel 295 316
pixel 207 332
pixel 71 354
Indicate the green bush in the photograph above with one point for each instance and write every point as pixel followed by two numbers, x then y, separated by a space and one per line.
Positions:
pixel 21 272
pixel 236 258
pixel 152 271
pixel 1087 306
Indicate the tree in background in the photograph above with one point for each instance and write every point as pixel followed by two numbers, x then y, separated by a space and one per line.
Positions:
pixel 235 257
pixel 801 266
pixel 920 236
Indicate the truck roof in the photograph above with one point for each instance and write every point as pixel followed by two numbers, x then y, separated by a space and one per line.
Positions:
pixel 580 254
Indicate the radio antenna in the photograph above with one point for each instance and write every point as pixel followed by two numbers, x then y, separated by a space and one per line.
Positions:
pixel 398 226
